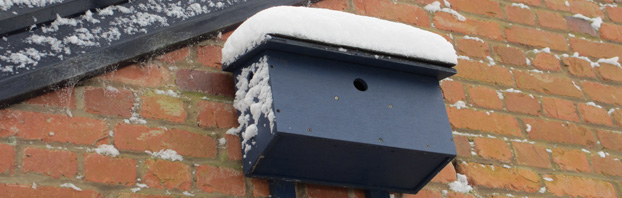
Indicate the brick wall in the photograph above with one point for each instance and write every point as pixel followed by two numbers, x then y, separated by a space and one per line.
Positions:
pixel 534 123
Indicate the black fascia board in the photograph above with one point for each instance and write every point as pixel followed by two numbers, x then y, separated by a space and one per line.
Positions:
pixel 50 74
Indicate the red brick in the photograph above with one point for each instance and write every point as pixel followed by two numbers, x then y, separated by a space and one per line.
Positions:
pixel 487 29
pixel 206 82
pixel 580 26
pixel 484 97
pixel 219 179
pixel 536 38
pixel 607 165
pixel 447 175
pixel 571 160
pixel 560 132
pixel 515 179
pixel 484 7
pixel 261 187
pixel 109 170
pixel 578 186
pixel 472 48
pixel 557 5
pixel 452 91
pixel 579 67
pixel 611 32
pixel 610 140
pixel 390 10
pixel 108 102
pixel 163 107
pixel 51 127
pixel 167 174
pixel 511 55
pixel 478 120
pixel 595 49
pixel 216 114
pixel 26 191
pixel 495 149
pixel 425 193
pixel 529 2
pixel 603 93
pixel 610 72
pixel 463 147
pixel 520 15
pixel 174 56
pixel 551 20
pixel 148 76
pixel 340 5
pixel 615 14
pixel 589 9
pixel 134 195
pixel 617 116
pixel 317 191
pixel 546 61
pixel 522 103
pixel 546 83
pixel 485 73
pixel 594 115
pixel 234 147
pixel 7 158
pixel 53 163
pixel 64 97
pixel 141 138
pixel 560 108
pixel 210 55
pixel 531 155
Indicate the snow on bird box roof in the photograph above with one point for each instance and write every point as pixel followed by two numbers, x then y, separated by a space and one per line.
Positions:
pixel 338 28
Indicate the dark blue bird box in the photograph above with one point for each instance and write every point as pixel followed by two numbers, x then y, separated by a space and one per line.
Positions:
pixel 346 117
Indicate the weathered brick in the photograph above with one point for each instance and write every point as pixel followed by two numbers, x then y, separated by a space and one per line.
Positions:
pixel 531 155
pixel 424 193
pixel 317 191
pixel 64 97
pixel 261 187
pixel 536 38
pixel 610 140
pixel 447 175
pixel 478 120
pixel 571 160
pixel 546 61
pixel 111 102
pixel 603 93
pixel 486 73
pixel 459 195
pixel 546 83
pixel 557 5
pixel 487 29
pixel 565 185
pixel 472 48
pixel 452 91
pixel 206 82
pixel 606 165
pixel 141 138
pixel 162 107
pixel 7 158
pixel 587 8
pixel 463 147
pixel 610 72
pixel 595 49
pixel 135 195
pixel 560 108
pixel 551 20
pixel 484 97
pixel 579 67
pixel 615 14
pixel 26 191
pixel 210 55
pixel 611 32
pixel 560 132
pixel 216 114
pixel 174 56
pixel 390 10
pixel 511 55
pixel 167 174
pixel 109 170
pixel 496 149
pixel 617 116
pixel 51 127
pixel 522 103
pixel 340 5
pixel 484 7
pixel 220 179
pixel 234 147
pixel 55 163
pixel 520 15
pixel 594 115
pixel 515 179
pixel 148 75
pixel 580 26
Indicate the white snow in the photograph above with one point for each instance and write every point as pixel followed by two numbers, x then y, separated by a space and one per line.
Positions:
pixel 500 95
pixel 70 185
pixel 546 49
pixel 461 185
pixel 466 134
pixel 338 28
pixel 222 142
pixel 585 151
pixel 547 178
pixel 595 22
pixel 463 57
pixel 491 61
pixel 528 128
pixel 520 5
pixel 576 86
pixel 7 4
pixel 542 190
pixel 188 193
pixel 601 154
pixel 549 150
pixel 474 38
pixel 106 149
pixel 436 7
pixel 594 105
pixel 34 185
pixel 459 105
pixel 167 93
pixel 167 154
pixel 611 61
pixel 512 90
